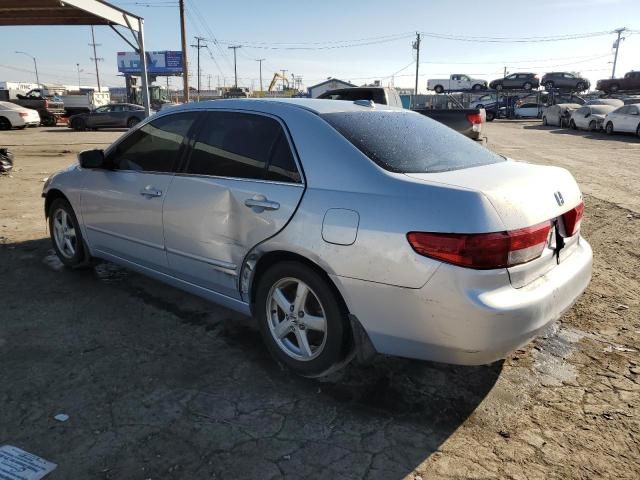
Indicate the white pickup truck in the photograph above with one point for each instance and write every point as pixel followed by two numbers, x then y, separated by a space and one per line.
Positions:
pixel 456 82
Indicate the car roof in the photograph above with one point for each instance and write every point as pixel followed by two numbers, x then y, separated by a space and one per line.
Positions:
pixel 268 105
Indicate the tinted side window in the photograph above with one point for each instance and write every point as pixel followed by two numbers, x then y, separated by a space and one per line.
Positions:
pixel 155 147
pixel 232 144
pixel 282 166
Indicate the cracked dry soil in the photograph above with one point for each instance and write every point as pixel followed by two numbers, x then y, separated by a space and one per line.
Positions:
pixel 162 385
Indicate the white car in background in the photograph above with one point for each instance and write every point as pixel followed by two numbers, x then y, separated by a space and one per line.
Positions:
pixel 590 117
pixel 623 119
pixel 528 110
pixel 15 116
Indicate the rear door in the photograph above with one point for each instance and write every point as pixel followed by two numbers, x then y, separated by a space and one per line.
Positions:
pixel 122 205
pixel 631 119
pixel 99 117
pixel 240 185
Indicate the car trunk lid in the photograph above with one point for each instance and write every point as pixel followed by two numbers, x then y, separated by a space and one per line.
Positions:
pixel 523 195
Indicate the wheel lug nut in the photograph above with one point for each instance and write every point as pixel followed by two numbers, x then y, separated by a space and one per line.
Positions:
pixel 301 314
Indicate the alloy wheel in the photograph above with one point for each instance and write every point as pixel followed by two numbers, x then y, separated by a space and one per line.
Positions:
pixel 296 319
pixel 64 233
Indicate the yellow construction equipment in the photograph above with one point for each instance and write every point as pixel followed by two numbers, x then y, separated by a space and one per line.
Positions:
pixel 278 76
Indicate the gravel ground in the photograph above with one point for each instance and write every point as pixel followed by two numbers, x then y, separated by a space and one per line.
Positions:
pixel 162 385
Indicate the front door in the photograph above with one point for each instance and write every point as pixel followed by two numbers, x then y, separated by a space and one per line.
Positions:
pixel 122 204
pixel 240 186
pixel 100 116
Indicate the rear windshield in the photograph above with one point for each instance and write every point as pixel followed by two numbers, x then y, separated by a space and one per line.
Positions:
pixel 407 142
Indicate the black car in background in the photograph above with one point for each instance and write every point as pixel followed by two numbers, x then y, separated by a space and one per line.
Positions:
pixel 565 81
pixel 516 81
pixel 108 116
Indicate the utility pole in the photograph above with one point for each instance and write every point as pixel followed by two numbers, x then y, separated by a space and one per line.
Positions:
pixel 617 46
pixel 260 60
pixel 185 66
pixel 78 68
pixel 209 82
pixel 35 65
pixel 95 56
pixel 235 67
pixel 504 75
pixel 416 46
pixel 284 73
pixel 199 46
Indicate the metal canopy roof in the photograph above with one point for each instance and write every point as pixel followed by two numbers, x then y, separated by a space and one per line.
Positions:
pixel 79 12
pixel 65 12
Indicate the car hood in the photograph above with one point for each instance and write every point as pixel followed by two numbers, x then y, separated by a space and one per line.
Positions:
pixel 522 194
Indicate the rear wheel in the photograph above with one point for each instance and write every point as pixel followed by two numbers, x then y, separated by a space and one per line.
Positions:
pixel 581 86
pixel 301 318
pixel 527 86
pixel 490 116
pixel 608 129
pixel 132 122
pixel 65 234
pixel 5 124
pixel 614 87
pixel 439 89
pixel 499 86
pixel 78 124
pixel 49 121
pixel 476 87
pixel 593 126
pixel 548 85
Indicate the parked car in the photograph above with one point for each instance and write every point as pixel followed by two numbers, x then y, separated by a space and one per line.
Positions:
pixel 528 110
pixel 379 95
pixel 631 81
pixel 49 108
pixel 631 100
pixel 623 119
pixel 15 116
pixel 332 230
pixel 108 116
pixel 489 99
pixel 565 81
pixel 613 102
pixel 589 117
pixel 456 82
pixel 516 81
pixel 559 114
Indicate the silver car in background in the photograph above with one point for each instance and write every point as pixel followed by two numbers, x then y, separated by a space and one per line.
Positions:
pixel 589 117
pixel 339 226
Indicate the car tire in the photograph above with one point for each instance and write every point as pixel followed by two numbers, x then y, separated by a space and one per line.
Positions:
pixel 306 350
pixel 548 85
pixel 527 86
pixel 132 122
pixel 476 87
pixel 78 124
pixel 49 121
pixel 544 121
pixel 572 125
pixel 581 87
pixel 438 89
pixel 499 86
pixel 490 116
pixel 5 124
pixel 608 129
pixel 593 126
pixel 638 131
pixel 66 235
pixel 614 87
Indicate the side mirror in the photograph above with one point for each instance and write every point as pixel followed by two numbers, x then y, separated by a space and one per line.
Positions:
pixel 91 158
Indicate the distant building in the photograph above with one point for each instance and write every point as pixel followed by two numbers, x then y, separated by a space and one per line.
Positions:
pixel 329 84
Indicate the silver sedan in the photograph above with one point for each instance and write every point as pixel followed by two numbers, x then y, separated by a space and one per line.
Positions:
pixel 341 227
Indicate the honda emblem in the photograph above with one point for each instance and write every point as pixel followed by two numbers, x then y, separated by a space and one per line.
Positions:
pixel 559 198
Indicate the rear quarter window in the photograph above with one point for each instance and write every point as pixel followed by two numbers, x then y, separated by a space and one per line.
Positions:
pixel 407 142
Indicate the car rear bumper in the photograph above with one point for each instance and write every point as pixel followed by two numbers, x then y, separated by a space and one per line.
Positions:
pixel 464 316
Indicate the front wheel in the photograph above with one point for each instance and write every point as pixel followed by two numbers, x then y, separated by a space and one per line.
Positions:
pixel 78 124
pixel 638 130
pixel 614 88
pixel 65 234
pixel 527 86
pixel 572 124
pixel 581 86
pixel 544 121
pixel 593 126
pixel 476 87
pixel 5 124
pixel 548 85
pixel 490 116
pixel 439 89
pixel 132 122
pixel 608 129
pixel 301 318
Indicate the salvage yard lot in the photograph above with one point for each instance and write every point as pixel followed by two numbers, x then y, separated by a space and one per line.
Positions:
pixel 162 385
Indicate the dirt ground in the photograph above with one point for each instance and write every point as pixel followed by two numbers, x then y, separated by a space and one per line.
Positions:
pixel 162 385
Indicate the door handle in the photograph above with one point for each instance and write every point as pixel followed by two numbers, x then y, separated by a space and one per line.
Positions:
pixel 260 203
pixel 150 192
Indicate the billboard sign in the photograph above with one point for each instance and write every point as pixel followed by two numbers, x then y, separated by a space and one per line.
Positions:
pixel 166 62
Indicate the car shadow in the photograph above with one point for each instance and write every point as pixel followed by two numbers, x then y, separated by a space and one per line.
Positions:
pixel 140 360
pixel 599 135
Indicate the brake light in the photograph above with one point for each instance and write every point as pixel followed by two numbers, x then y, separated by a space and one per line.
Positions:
pixel 572 220
pixel 483 250
pixel 23 114
pixel 474 118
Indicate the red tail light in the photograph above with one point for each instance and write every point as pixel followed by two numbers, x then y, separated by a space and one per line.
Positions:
pixel 572 220
pixel 23 114
pixel 46 104
pixel 483 250
pixel 474 118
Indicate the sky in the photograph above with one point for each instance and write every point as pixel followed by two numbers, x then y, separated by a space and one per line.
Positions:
pixel 358 41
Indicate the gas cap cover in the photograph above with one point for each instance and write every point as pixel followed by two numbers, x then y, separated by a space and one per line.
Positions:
pixel 340 226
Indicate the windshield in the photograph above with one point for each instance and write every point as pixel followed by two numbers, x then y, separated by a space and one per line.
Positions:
pixel 601 109
pixel 407 142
